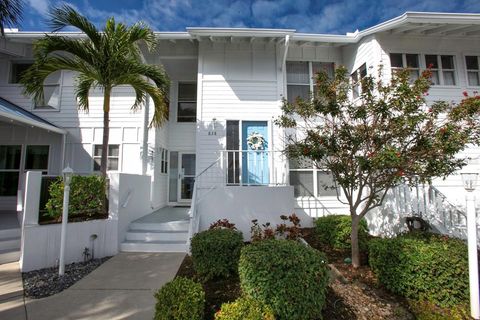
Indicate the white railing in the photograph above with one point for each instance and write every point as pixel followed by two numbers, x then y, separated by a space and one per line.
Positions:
pixel 428 203
pixel 254 167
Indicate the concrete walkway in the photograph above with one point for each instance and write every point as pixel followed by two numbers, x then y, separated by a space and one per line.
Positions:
pixel 121 288
pixel 12 304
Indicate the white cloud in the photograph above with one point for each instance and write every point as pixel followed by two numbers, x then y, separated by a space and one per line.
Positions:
pixel 40 6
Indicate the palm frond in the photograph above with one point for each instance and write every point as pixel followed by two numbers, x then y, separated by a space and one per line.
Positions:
pixel 141 32
pixel 65 16
pixel 143 88
pixel 83 86
pixel 82 48
pixel 10 13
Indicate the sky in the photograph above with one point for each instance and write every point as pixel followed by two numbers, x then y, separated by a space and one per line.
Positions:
pixel 312 16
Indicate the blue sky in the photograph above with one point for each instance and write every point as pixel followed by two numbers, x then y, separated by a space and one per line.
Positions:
pixel 314 16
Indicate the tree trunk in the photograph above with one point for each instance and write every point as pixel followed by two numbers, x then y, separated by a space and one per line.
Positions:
pixel 355 243
pixel 106 131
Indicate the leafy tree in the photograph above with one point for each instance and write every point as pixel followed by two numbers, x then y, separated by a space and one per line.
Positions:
pixel 101 60
pixel 387 136
pixel 10 13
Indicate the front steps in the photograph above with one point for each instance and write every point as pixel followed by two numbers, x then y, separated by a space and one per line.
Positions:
pixel 10 245
pixel 165 230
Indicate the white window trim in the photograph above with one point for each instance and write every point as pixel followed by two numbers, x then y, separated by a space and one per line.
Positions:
pixel 314 171
pixel 358 82
pixel 311 76
pixel 423 65
pixel 464 57
pixel 177 101
pixel 119 157
pixel 164 161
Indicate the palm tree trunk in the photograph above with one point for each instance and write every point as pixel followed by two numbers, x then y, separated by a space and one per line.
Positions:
pixel 106 131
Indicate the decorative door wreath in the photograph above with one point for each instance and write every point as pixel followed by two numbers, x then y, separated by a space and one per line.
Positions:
pixel 256 141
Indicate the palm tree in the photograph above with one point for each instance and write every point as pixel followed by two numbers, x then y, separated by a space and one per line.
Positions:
pixel 10 13
pixel 101 60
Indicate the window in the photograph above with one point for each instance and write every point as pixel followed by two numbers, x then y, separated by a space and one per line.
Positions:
pixel 112 157
pixel 301 77
pixel 473 70
pixel 51 93
pixel 308 181
pixel 36 158
pixel 443 69
pixel 357 77
pixel 187 102
pixel 408 61
pixel 17 69
pixel 9 169
pixel 163 160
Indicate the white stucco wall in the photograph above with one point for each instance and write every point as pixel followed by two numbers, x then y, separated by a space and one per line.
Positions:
pixel 241 205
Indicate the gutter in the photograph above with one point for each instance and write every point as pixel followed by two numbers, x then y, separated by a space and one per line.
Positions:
pixel 285 52
pixel 33 123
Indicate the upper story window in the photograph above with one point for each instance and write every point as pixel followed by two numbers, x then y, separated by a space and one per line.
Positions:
pixel 408 61
pixel 301 77
pixel 357 77
pixel 112 157
pixel 187 102
pixel 443 69
pixel 17 69
pixel 473 70
pixel 51 93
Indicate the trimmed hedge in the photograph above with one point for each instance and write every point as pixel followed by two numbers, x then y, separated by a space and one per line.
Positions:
pixel 180 299
pixel 423 266
pixel 245 308
pixel 288 276
pixel 335 231
pixel 87 198
pixel 215 252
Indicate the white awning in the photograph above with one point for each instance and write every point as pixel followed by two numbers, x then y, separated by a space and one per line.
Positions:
pixel 15 113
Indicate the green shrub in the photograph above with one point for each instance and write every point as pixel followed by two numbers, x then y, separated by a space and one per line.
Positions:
pixel 180 299
pixel 215 252
pixel 87 197
pixel 422 266
pixel 245 308
pixel 287 276
pixel 335 231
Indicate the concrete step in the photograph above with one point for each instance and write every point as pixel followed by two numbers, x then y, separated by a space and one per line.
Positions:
pixel 155 235
pixel 7 256
pixel 10 243
pixel 181 225
pixel 153 246
pixel 10 233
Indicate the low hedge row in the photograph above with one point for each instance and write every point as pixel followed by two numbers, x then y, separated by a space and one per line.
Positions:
pixel 180 299
pixel 245 308
pixel 423 266
pixel 287 276
pixel 215 252
pixel 335 231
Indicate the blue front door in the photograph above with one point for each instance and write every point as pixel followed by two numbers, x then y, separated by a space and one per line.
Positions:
pixel 255 157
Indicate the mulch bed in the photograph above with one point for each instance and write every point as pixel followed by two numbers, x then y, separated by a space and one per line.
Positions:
pixel 360 298
pixel 46 282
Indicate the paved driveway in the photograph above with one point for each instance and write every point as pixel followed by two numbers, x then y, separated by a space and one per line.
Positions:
pixel 121 288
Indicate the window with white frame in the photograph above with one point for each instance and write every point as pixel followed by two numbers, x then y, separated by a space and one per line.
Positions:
pixel 36 158
pixel 301 77
pixel 473 70
pixel 17 68
pixel 51 93
pixel 187 102
pixel 309 181
pixel 357 76
pixel 443 69
pixel 112 157
pixel 163 153
pixel 10 156
pixel 399 61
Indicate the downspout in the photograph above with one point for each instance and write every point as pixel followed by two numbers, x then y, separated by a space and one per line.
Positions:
pixel 64 150
pixel 145 136
pixel 284 77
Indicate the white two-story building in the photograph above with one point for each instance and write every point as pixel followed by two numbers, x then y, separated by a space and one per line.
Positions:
pixel 227 87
